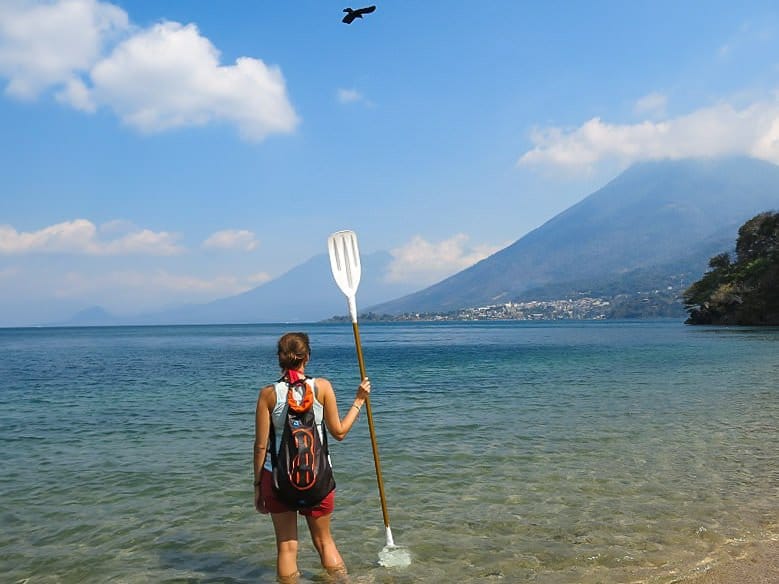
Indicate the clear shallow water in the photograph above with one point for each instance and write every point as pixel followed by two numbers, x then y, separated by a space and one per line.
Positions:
pixel 561 452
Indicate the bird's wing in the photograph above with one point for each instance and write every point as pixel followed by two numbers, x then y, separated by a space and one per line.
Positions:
pixel 367 9
pixel 348 18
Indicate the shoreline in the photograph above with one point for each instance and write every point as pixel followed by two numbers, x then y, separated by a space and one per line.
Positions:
pixel 755 563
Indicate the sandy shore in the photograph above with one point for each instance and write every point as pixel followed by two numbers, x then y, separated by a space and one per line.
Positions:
pixel 759 564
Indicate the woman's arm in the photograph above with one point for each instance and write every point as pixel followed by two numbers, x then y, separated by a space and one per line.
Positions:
pixel 265 403
pixel 338 427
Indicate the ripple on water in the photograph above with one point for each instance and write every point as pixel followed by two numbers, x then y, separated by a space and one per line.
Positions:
pixel 579 453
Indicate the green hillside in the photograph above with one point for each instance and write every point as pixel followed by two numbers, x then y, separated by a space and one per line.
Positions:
pixel 746 291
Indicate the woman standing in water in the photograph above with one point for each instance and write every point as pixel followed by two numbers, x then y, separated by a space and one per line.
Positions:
pixel 294 353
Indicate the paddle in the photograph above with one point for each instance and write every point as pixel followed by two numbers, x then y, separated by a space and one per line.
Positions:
pixel 345 264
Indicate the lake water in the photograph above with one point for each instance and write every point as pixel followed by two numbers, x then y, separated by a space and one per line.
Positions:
pixel 511 452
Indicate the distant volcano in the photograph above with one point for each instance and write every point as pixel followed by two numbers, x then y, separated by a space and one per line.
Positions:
pixel 654 214
pixel 653 219
pixel 307 293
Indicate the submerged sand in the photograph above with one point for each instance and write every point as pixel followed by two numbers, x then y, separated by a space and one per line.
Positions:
pixel 757 564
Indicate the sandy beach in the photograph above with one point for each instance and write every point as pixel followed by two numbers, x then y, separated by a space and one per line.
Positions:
pixel 756 564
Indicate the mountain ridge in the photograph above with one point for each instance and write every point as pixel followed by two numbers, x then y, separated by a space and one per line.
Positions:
pixel 651 214
pixel 664 217
pixel 305 293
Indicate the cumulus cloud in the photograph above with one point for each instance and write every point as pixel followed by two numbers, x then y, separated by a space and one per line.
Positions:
pixel 154 79
pixel 237 239
pixel 424 262
pixel 169 76
pixel 49 44
pixel 81 237
pixel 717 130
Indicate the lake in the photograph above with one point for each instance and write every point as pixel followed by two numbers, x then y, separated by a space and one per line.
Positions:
pixel 550 452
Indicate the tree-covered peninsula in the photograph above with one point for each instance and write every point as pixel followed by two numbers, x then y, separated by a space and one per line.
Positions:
pixel 744 291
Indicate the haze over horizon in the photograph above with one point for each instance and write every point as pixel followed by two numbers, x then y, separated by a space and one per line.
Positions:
pixel 159 154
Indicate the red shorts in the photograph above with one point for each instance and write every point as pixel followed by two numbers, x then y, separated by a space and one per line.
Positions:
pixel 273 505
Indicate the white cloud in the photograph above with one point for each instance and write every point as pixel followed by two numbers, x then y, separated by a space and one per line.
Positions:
pixel 653 105
pixel 424 262
pixel 239 239
pixel 77 95
pixel 712 131
pixel 348 96
pixel 81 237
pixel 162 77
pixel 352 96
pixel 169 76
pixel 142 242
pixel 49 44
pixel 259 278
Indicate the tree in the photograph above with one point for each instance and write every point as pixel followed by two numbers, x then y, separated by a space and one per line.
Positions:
pixel 758 237
pixel 747 290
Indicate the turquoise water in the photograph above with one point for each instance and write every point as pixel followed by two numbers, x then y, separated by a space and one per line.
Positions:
pixel 513 452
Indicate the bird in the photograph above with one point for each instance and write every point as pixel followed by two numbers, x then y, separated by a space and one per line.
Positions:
pixel 352 14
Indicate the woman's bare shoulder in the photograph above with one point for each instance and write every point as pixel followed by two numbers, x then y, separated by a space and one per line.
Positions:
pixel 323 385
pixel 268 392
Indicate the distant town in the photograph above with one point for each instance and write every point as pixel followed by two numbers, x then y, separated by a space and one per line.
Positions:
pixel 579 309
pixel 661 303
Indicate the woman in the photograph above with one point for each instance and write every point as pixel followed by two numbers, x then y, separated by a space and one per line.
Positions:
pixel 294 352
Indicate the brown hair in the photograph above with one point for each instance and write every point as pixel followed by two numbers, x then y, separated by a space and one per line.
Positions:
pixel 293 350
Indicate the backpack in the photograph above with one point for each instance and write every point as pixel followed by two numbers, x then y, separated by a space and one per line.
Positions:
pixel 302 473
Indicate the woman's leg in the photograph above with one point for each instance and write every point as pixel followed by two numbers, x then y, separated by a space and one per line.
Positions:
pixel 286 527
pixel 325 544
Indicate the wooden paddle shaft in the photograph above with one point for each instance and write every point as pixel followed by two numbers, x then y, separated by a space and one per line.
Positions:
pixel 375 447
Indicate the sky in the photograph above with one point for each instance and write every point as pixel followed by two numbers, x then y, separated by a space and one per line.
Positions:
pixel 161 153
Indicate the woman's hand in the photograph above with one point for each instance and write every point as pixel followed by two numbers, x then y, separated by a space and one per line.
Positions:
pixel 363 390
pixel 259 503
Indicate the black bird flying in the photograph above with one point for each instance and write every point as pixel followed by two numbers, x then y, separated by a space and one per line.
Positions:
pixel 352 14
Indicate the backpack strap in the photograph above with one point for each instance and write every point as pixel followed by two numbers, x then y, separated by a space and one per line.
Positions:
pixel 314 388
pixel 322 425
pixel 274 456
pixel 272 432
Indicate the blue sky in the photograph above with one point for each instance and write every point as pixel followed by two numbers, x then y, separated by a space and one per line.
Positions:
pixel 169 152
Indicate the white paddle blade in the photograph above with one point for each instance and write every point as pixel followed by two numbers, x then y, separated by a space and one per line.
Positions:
pixel 345 261
pixel 393 556
pixel 345 265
